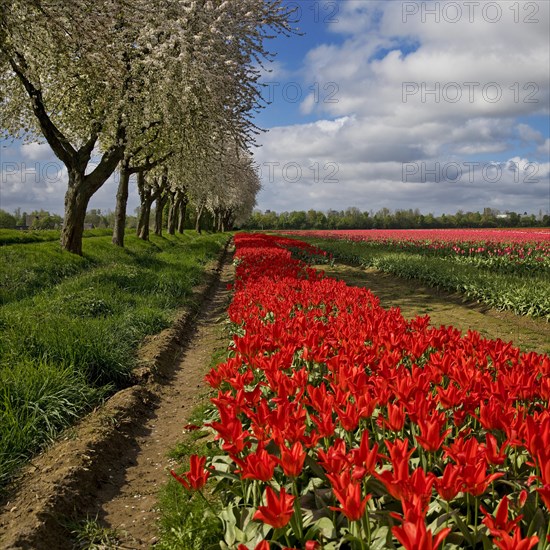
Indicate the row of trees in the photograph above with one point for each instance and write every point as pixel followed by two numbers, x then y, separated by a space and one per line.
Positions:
pixel 95 218
pixel 353 218
pixel 161 89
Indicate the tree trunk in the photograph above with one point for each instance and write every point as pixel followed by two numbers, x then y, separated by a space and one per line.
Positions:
pixel 161 202
pixel 145 208
pixel 173 213
pixel 215 220
pixel 227 221
pixel 143 222
pixel 181 214
pixel 221 215
pixel 121 203
pixel 200 210
pixel 76 202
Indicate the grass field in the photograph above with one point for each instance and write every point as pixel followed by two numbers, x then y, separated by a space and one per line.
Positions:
pixel 70 326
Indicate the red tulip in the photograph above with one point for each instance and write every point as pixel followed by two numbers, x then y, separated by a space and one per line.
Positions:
pixel 515 542
pixel 364 458
pixel 544 493
pixel 335 459
pixel 349 417
pixel 475 479
pixel 196 477
pixel 292 460
pixel 349 496
pixel 449 484
pixel 415 536
pixel 418 492
pixel 278 510
pixel 431 437
pixel 396 417
pixel 493 454
pixel 259 465
pixel 500 521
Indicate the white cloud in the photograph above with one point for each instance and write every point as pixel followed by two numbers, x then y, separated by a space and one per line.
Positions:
pixel 413 90
pixel 36 151
pixel 526 133
pixel 544 149
pixel 306 107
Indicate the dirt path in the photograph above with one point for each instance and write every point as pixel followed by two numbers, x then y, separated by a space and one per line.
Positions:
pixel 415 298
pixel 127 502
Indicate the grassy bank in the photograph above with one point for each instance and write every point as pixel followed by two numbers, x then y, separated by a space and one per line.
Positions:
pixel 70 326
pixel 10 236
pixel 524 293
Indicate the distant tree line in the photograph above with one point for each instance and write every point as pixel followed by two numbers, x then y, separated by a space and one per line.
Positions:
pixel 350 218
pixel 353 218
pixel 37 219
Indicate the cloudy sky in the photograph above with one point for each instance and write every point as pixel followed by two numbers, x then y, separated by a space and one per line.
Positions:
pixel 438 106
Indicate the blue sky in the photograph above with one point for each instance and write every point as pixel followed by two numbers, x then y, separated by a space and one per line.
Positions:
pixel 438 106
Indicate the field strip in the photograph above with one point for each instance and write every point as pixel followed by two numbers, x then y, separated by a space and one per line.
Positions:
pixel 100 460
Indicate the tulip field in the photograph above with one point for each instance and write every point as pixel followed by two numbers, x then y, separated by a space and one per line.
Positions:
pixel 503 268
pixel 338 424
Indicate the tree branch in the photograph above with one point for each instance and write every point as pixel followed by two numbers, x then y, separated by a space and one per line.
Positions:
pixel 57 141
pixel 86 150
pixel 149 165
pixel 109 160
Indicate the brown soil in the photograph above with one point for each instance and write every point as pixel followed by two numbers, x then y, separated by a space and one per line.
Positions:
pixel 415 298
pixel 112 464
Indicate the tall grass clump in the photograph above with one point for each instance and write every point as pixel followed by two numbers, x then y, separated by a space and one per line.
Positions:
pixel 70 326
pixel 37 400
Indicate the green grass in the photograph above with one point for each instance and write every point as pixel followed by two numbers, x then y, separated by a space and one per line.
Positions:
pixel 188 520
pixel 91 535
pixel 70 326
pixel 13 236
pixel 524 294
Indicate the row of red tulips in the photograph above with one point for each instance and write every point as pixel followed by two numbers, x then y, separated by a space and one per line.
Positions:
pixel 343 425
